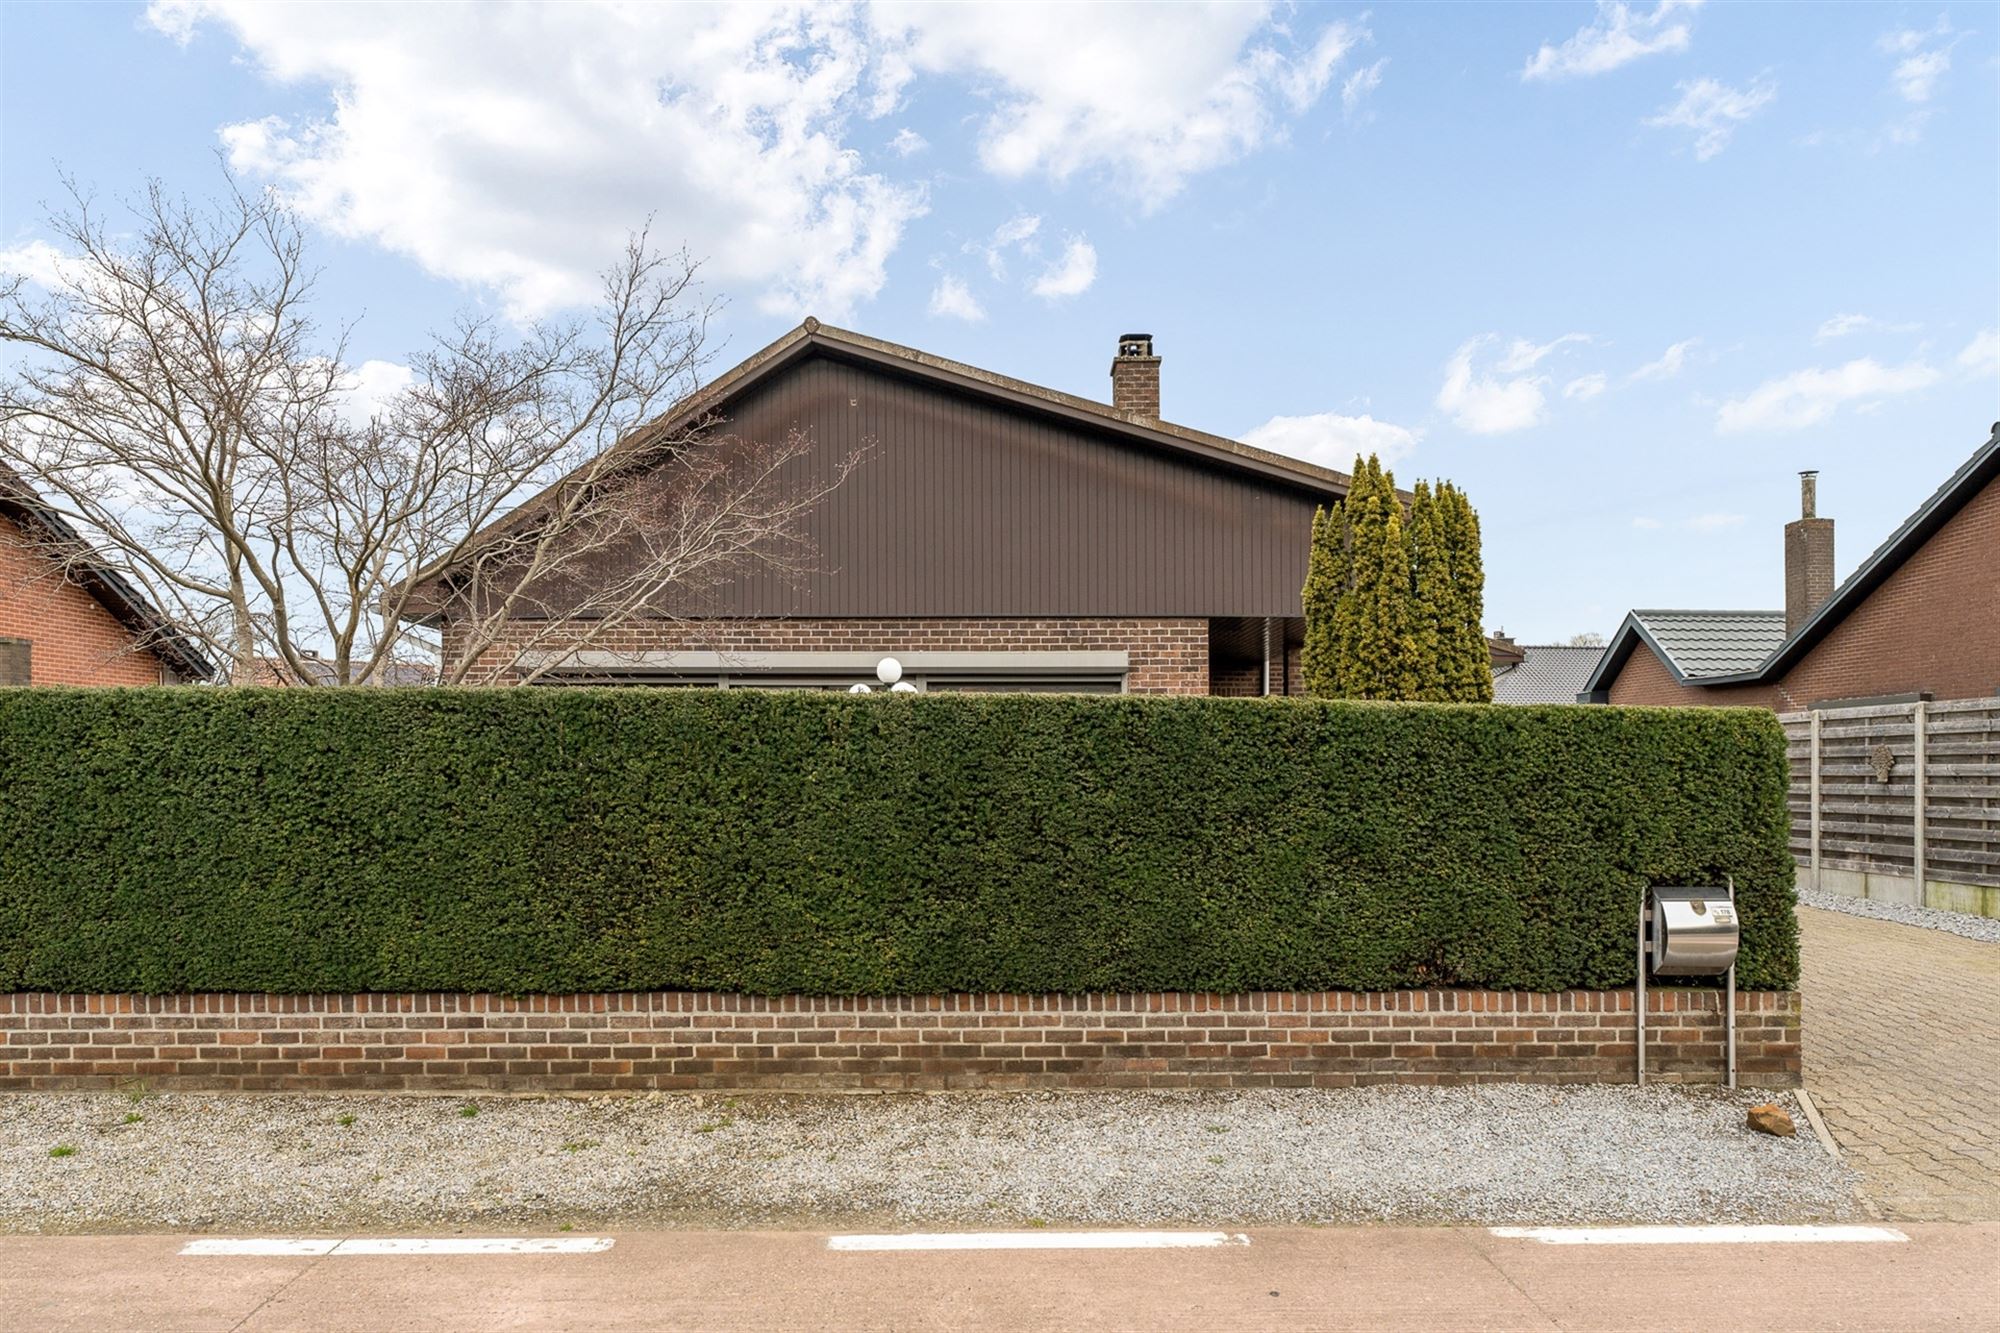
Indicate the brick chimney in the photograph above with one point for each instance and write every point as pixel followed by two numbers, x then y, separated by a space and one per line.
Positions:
pixel 1135 377
pixel 1808 557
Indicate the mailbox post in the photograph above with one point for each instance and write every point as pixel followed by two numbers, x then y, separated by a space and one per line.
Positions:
pixel 1689 932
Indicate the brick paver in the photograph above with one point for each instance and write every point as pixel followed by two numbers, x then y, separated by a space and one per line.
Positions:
pixel 1902 1033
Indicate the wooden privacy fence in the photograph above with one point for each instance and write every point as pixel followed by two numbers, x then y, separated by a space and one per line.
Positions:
pixel 1900 801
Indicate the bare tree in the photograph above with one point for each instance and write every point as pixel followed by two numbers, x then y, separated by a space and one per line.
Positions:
pixel 175 401
pixel 1587 639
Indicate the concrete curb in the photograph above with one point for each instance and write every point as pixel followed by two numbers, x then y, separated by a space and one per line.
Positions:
pixel 1818 1125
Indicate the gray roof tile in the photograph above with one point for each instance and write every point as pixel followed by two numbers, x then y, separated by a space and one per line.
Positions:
pixel 1547 674
pixel 1714 643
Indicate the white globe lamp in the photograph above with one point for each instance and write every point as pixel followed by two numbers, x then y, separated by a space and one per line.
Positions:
pixel 888 671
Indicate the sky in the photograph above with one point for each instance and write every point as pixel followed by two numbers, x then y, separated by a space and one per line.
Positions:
pixel 1618 271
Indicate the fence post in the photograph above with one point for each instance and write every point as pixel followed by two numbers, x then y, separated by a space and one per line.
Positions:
pixel 1920 722
pixel 1812 805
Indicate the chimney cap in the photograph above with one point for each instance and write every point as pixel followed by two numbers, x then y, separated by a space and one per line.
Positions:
pixel 1135 344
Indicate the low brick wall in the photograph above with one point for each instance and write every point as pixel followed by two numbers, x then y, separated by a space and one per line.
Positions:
pixel 695 1040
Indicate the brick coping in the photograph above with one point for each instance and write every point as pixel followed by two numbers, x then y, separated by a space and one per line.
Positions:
pixel 1659 998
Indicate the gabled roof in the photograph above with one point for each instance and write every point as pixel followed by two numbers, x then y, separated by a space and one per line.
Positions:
pixel 1697 647
pixel 1546 674
pixel 85 568
pixel 1720 647
pixel 814 338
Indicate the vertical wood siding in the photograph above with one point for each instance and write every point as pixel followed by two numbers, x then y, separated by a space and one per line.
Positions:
pixel 965 508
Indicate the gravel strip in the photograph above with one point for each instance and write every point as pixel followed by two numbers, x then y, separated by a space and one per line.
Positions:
pixel 1495 1154
pixel 1930 918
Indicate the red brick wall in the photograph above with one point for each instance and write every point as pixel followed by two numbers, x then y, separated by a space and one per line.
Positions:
pixel 76 641
pixel 1166 656
pixel 1646 680
pixel 1933 625
pixel 695 1040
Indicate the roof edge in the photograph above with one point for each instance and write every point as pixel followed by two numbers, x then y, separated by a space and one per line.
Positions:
pixel 110 589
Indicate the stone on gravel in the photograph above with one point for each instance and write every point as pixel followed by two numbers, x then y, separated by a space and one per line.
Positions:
pixel 1770 1119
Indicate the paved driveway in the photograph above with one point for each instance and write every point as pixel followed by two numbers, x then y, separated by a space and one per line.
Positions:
pixel 1902 1031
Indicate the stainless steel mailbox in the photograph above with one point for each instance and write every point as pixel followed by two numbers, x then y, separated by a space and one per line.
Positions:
pixel 1695 932
pixel 1689 932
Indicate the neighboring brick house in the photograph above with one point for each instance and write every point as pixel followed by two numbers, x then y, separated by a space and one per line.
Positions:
pixel 1919 618
pixel 66 618
pixel 1001 535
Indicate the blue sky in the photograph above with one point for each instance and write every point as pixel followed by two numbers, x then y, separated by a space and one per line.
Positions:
pixel 1619 271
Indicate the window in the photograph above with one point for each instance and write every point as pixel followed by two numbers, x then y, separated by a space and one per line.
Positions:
pixel 17 658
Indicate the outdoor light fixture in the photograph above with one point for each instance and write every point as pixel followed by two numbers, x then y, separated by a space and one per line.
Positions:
pixel 890 672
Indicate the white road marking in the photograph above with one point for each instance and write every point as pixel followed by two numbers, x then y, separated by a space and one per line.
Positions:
pixel 1700 1235
pixel 265 1245
pixel 269 1245
pixel 1040 1240
pixel 475 1245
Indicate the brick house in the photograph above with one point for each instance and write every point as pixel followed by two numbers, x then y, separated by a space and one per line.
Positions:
pixel 1920 617
pixel 67 618
pixel 1001 536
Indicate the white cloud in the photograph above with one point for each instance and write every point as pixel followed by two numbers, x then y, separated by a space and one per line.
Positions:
pixel 1014 236
pixel 371 386
pixel 1523 355
pixel 1143 100
pixel 1645 524
pixel 1670 363
pixel 1486 404
pixel 450 136
pixel 1713 110
pixel 1982 355
pixel 1332 440
pixel 1585 386
pixel 1808 397
pixel 1359 84
pixel 952 298
pixel 37 261
pixel 1071 274
pixel 1916 77
pixel 453 138
pixel 1616 37
pixel 908 142
pixel 1840 326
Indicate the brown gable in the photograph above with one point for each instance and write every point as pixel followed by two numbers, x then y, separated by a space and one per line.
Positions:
pixel 987 496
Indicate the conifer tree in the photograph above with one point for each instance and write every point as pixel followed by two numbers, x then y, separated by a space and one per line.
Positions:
pixel 1468 664
pixel 1325 593
pixel 1376 663
pixel 1395 600
pixel 1433 608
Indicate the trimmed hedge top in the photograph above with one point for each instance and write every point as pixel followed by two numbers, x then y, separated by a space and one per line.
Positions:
pixel 559 840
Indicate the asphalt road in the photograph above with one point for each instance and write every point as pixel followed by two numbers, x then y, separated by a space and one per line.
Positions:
pixel 1945 1276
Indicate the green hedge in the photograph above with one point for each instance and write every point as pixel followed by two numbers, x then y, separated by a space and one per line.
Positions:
pixel 549 840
